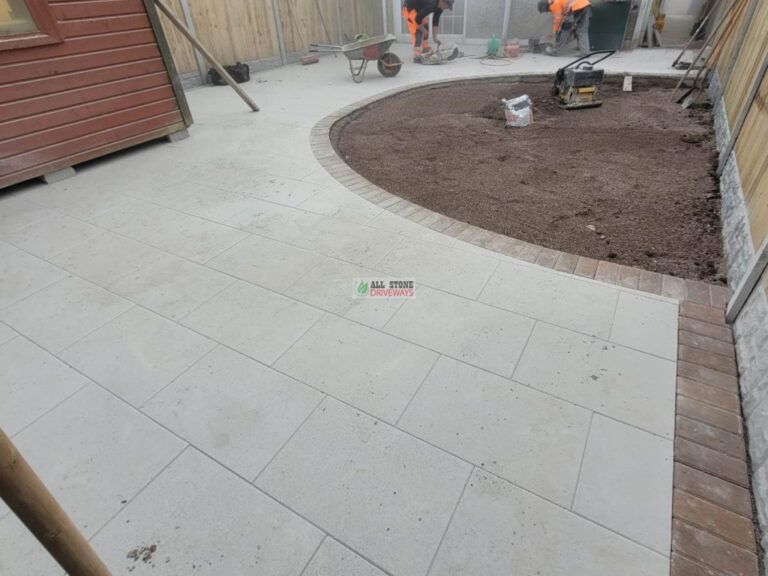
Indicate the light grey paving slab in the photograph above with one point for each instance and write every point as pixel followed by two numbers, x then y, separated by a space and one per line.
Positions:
pixel 171 286
pixel 22 553
pixel 333 559
pixel 370 370
pixel 137 354
pixel 386 220
pixel 254 321
pixel 555 298
pixel 378 490
pixel 31 383
pixel 194 238
pixel 81 197
pixel 463 329
pixel 285 191
pixel 349 241
pixel 330 286
pixel 343 204
pixel 626 483
pixel 499 529
pixel 528 438
pixel 646 324
pixel 52 235
pixel 6 333
pixel 268 263
pixel 22 274
pixel 17 212
pixel 439 266
pixel 6 249
pixel 211 203
pixel 135 219
pixel 104 259
pixel 275 221
pixel 64 312
pixel 234 409
pixel 204 520
pixel 630 386
pixel 94 452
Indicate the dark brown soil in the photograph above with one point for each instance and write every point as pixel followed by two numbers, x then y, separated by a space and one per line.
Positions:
pixel 633 181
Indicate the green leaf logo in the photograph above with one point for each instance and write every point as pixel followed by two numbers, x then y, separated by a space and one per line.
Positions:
pixel 362 288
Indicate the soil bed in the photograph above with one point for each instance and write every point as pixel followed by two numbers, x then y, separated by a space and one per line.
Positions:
pixel 631 182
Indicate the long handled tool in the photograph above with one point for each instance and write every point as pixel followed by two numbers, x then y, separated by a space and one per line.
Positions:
pixel 697 32
pixel 206 54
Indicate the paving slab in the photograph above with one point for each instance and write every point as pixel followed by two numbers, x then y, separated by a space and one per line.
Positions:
pixel 376 372
pixel 205 520
pixel 379 490
pixel 531 439
pixel 94 433
pixel 268 263
pixel 235 409
pixel 22 274
pixel 32 381
pixel 275 221
pixel 559 299
pixel 254 321
pixel 646 324
pixel 64 312
pixel 137 354
pixel 625 483
pixel 135 219
pixel 333 559
pixel 499 529
pixel 330 286
pixel 6 333
pixel 439 266
pixel 171 286
pixel 52 235
pixel 630 386
pixel 474 333
pixel 195 239
pixel 17 212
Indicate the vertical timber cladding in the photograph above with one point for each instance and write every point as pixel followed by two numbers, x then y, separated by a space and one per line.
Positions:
pixel 109 84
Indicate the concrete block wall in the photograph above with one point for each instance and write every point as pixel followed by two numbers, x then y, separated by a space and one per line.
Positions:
pixel 751 327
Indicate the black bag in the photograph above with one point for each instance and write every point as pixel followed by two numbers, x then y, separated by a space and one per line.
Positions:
pixel 240 73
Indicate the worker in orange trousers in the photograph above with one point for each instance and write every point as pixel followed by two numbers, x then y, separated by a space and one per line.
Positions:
pixel 570 17
pixel 416 14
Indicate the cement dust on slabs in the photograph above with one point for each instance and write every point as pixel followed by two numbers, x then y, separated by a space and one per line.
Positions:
pixel 633 181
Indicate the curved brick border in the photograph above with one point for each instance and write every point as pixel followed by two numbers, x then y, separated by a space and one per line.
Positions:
pixel 713 518
pixel 670 286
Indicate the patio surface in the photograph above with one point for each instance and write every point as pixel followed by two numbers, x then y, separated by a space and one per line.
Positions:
pixel 183 363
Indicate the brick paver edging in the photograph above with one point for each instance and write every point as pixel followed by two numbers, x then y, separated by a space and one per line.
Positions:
pixel 713 527
pixel 605 271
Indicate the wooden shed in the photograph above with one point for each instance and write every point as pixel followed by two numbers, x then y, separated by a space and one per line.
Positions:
pixel 80 79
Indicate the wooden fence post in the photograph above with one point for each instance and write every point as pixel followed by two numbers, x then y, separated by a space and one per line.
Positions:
pixel 31 501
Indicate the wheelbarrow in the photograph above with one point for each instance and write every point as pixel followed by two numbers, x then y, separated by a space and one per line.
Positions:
pixel 364 51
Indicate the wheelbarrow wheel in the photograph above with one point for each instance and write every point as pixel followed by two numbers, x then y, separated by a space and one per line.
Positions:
pixel 389 65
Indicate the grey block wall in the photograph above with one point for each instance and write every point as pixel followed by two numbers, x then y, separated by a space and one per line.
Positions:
pixel 486 17
pixel 750 329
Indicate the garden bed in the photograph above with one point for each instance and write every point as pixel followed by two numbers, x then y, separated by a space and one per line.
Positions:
pixel 631 182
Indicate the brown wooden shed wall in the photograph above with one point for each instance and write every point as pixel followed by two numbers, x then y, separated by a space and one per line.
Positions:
pixel 106 87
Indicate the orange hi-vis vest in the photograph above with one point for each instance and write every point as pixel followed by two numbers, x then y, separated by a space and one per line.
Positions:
pixel 561 7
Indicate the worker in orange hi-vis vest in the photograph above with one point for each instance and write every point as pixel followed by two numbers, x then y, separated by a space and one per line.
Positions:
pixel 570 17
pixel 416 14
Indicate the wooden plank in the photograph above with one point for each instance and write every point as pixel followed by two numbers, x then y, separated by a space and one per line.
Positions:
pixel 21 145
pixel 63 100
pixel 41 156
pixel 92 26
pixel 79 46
pixel 46 68
pixel 96 8
pixel 28 125
pixel 90 154
pixel 43 86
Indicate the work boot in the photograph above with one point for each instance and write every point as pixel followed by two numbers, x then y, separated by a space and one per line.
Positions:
pixel 417 60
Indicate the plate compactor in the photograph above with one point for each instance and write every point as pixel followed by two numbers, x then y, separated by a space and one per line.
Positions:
pixel 577 84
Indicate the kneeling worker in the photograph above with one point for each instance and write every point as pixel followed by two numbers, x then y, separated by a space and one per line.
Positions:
pixel 416 13
pixel 577 13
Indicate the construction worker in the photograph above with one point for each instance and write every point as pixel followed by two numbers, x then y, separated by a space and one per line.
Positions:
pixel 570 16
pixel 416 14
